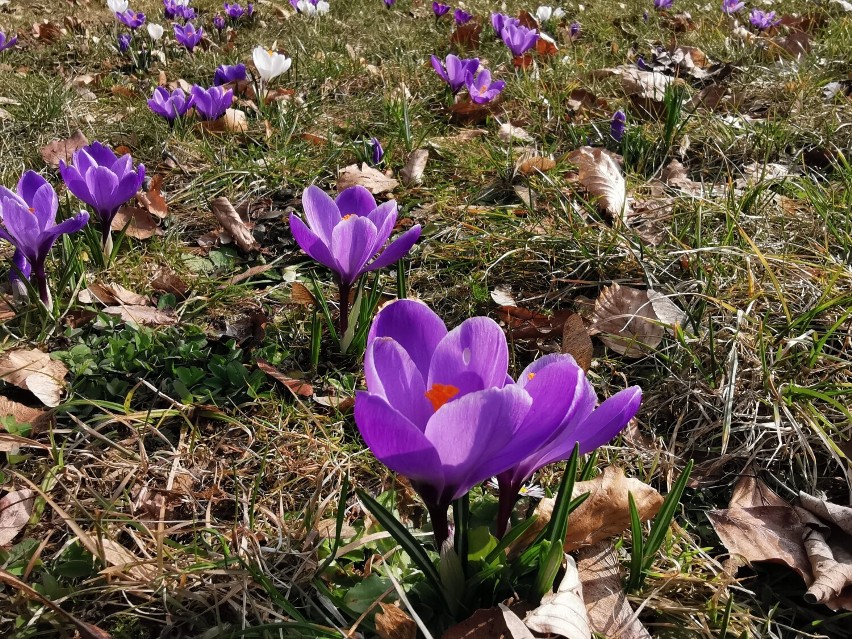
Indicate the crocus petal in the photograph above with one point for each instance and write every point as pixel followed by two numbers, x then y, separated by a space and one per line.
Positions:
pixel 321 213
pixel 356 200
pixel 45 204
pixel 310 243
pixel 439 68
pixel 71 225
pixel 101 184
pixel 609 419
pixel 28 186
pixel 473 356
pixel 393 375
pixel 414 326
pixel 352 245
pixel 396 249
pixel 467 433
pixel 396 442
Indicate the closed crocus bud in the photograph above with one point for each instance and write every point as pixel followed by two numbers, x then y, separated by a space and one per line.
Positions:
pixel 218 22
pixel 155 31
pixel 270 64
pixel 124 42
pixel 117 6
pixel 616 125
pixel 378 151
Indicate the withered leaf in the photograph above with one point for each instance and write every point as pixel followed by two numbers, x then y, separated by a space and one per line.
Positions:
pixel 143 315
pixel 296 386
pixel 412 172
pixel 625 320
pixel 167 281
pixel 16 507
pixel 300 294
pixel 563 612
pixel 233 224
pixel 466 112
pixel 109 294
pixel 467 35
pixel 576 341
pixel 371 179
pixel 152 200
pixel 35 371
pixel 140 224
pixel 601 176
pixel 394 623
pixel 58 150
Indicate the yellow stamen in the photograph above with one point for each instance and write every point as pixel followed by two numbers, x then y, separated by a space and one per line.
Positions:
pixel 32 210
pixel 530 376
pixel 440 394
pixel 346 217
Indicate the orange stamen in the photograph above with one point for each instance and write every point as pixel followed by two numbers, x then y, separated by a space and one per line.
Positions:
pixel 32 210
pixel 440 394
pixel 346 217
pixel 530 376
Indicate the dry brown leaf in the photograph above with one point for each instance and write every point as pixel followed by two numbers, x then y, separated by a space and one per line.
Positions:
pixel 10 443
pixel 233 224
pixel 141 225
pixel 47 32
pixel 467 35
pixel 120 560
pixel 6 311
pixel 751 491
pixel 466 112
pixel 393 623
pixel 22 414
pixel 830 557
pixel 371 179
pixel 485 623
pixel 528 165
pixel 63 149
pixel 563 612
pixel 522 323
pixel 143 315
pixel 601 176
pixel 625 320
pixel 609 612
pixel 840 516
pixel 33 370
pixel 576 341
pixel 16 507
pixel 412 172
pixel 110 294
pixel 508 133
pixel 235 121
pixel 300 294
pixel 152 200
pixel 296 386
pixel 167 281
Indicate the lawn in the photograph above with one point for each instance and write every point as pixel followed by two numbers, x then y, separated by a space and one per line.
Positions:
pixel 663 193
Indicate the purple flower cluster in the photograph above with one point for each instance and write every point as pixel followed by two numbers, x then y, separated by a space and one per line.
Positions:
pixel 177 10
pixel 660 5
pixel 169 105
pixel 517 37
pixel 459 73
pixel 440 9
pixel 210 104
pixel 441 410
pixel 235 11
pixel 225 74
pixel 763 20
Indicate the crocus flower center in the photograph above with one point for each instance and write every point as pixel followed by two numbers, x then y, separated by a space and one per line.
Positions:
pixel 32 210
pixel 530 376
pixel 440 394
pixel 346 217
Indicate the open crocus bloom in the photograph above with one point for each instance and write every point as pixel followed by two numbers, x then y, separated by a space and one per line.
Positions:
pixel 481 89
pixel 441 410
pixel 29 223
pixel 188 35
pixel 518 38
pixel 168 105
pixel 454 70
pixel 344 234
pixel 211 104
pixel 270 64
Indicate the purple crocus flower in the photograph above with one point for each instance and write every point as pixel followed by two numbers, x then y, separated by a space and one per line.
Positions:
pixel 389 3
pixel 441 410
pixel 378 151
pixel 102 180
pixel 518 38
pixel 617 124
pixel 169 105
pixel 211 103
pixel 454 70
pixel 188 35
pixel 29 223
pixel 439 9
pixel 124 42
pixel 131 19
pixel 763 20
pixel 500 20
pixel 659 5
pixel 344 234
pixel 7 44
pixel 462 17
pixel 170 9
pixel 186 13
pixel 574 30
pixel 572 405
pixel 481 89
pixel 234 11
pixel 732 6
pixel 225 74
pixel 218 22
pixel 20 271
pixel 250 10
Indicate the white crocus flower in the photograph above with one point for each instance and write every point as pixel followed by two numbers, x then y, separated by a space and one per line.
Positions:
pixel 322 7
pixel 117 6
pixel 269 63
pixel 155 31
pixel 306 8
pixel 545 13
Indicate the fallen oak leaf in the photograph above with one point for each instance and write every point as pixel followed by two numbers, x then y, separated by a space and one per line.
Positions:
pixel 625 320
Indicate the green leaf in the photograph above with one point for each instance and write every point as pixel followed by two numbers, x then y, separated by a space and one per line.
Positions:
pixel 363 595
pixel 481 544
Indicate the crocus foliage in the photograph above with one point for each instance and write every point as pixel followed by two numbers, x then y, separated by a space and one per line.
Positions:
pixel 441 410
pixel 29 223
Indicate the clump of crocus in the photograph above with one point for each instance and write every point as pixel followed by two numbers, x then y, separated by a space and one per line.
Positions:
pixel 462 17
pixel 661 5
pixel 454 70
pixel 29 223
pixel 219 23
pixel 481 89
pixel 7 43
pixel 439 9
pixel 346 234
pixel 210 104
pixel 731 7
pixel 518 38
pixel 104 181
pixel 131 19
pixel 763 20
pixel 234 11
pixel 617 124
pixel 188 35
pixel 169 105
pixel 441 410
pixel 178 9
pixel 312 8
pixel 226 74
